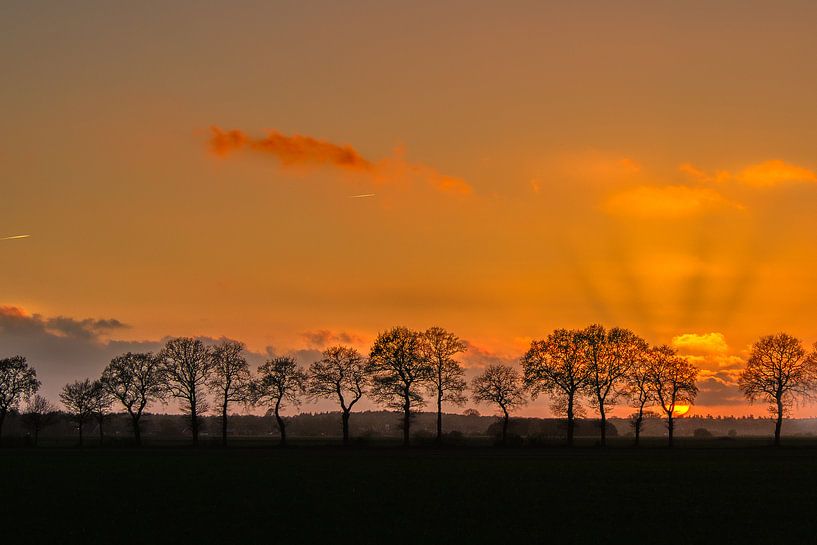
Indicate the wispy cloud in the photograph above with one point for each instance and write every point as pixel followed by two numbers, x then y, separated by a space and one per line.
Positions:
pixel 666 202
pixel 770 173
pixel 298 151
pixel 88 328
pixel 289 150
pixel 12 317
pixel 701 342
pixel 324 337
pixel 478 357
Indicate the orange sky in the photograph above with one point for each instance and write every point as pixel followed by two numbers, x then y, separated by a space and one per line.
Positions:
pixel 643 164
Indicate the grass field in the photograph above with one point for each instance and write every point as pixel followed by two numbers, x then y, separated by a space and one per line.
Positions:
pixel 424 496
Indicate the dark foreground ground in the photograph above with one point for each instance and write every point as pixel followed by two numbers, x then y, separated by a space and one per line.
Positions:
pixel 423 496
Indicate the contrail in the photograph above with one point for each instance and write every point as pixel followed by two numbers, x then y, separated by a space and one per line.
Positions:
pixel 362 196
pixel 14 237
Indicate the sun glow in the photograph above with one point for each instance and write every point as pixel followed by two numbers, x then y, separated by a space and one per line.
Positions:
pixel 681 410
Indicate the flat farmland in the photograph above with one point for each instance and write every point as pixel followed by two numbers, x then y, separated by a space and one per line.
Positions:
pixel 321 494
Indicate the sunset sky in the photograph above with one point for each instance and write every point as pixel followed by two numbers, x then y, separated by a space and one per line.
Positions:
pixel 294 174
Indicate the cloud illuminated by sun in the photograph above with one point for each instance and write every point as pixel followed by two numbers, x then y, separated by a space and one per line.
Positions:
pixel 770 173
pixel 666 202
pixel 298 151
pixel 700 342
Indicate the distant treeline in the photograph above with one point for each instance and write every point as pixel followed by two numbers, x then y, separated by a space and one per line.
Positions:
pixel 581 371
pixel 375 425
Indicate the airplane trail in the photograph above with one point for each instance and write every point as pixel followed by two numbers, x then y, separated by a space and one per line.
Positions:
pixel 14 237
pixel 361 196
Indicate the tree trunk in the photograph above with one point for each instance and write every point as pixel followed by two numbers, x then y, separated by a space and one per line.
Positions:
pixel 282 429
pixel 439 439
pixel 670 428
pixel 137 433
pixel 603 416
pixel 570 420
pixel 194 424
pixel 406 417
pixel 345 423
pixel 224 424
pixel 101 432
pixel 639 419
pixel 80 433
pixel 505 426
pixel 779 423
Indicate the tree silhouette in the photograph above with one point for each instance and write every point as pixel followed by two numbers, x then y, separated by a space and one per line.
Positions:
pixel 341 374
pixel 672 379
pixel 447 379
pixel 609 356
pixel 78 400
pixel 280 381
pixel 18 382
pixel 186 369
pixel 556 366
pixel 502 385
pixel 400 371
pixel 639 390
pixel 636 421
pixel 38 414
pixel 230 379
pixel 135 379
pixel 101 400
pixel 778 372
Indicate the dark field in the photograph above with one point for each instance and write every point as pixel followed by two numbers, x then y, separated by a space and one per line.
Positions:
pixel 424 496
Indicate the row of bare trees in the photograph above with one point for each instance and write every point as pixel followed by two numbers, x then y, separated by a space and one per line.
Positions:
pixel 603 367
pixel 404 366
pixel 405 369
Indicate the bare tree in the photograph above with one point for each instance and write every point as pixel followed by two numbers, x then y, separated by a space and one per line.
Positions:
pixel 672 379
pixel 18 382
pixel 778 372
pixel 230 380
pixel 101 400
pixel 341 374
pixel 78 400
pixel 448 377
pixel 38 414
pixel 186 369
pixel 639 390
pixel 135 379
pixel 609 356
pixel 280 381
pixel 400 371
pixel 556 366
pixel 502 385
